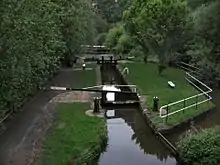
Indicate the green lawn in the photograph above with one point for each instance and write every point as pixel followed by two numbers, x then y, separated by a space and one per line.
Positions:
pixel 75 138
pixel 151 84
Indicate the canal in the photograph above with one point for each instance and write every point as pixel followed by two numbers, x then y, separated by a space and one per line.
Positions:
pixel 130 139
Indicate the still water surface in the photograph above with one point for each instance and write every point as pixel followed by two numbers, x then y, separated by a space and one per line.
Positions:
pixel 131 142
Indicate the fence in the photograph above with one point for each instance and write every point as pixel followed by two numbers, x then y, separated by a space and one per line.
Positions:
pixel 194 100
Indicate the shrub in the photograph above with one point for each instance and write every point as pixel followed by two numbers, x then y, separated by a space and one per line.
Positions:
pixel 124 44
pixel 113 36
pixel 202 148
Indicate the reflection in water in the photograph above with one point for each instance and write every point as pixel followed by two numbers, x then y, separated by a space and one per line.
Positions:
pixel 131 142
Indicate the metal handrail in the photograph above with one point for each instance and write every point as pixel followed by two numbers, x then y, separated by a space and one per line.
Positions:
pixel 191 97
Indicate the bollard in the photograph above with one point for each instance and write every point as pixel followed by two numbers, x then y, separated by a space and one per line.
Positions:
pixel 145 59
pixel 197 101
pixel 84 66
pixel 96 105
pixel 111 58
pixel 155 104
pixel 184 105
pixel 167 112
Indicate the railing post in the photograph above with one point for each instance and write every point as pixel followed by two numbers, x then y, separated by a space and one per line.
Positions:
pixel 167 112
pixel 184 105
pixel 197 102
pixel 102 59
pixel 111 59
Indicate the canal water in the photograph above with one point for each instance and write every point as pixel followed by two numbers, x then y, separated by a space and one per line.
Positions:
pixel 130 140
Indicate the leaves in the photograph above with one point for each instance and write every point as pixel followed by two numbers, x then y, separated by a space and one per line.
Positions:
pixel 34 35
pixel 113 36
pixel 202 148
pixel 158 25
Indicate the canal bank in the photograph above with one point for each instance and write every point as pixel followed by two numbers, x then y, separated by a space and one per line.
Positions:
pixel 130 139
pixel 208 120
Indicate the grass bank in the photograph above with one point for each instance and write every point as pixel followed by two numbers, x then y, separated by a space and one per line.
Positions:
pixel 75 138
pixel 151 84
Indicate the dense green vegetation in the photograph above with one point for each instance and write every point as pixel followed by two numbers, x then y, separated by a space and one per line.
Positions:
pixel 151 84
pixel 202 148
pixel 75 138
pixel 112 10
pixel 34 37
pixel 174 31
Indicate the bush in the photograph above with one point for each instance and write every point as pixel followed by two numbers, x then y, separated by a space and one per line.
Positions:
pixel 202 148
pixel 124 44
pixel 113 36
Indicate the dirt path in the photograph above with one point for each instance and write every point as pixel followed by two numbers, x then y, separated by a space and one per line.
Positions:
pixel 20 143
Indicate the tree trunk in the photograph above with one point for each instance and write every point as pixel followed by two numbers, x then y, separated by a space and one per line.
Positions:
pixel 145 59
pixel 161 68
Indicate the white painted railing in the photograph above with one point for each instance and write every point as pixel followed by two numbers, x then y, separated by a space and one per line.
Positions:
pixel 203 93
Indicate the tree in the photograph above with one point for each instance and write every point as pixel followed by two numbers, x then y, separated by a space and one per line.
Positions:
pixel 76 24
pixel 112 10
pixel 197 3
pixel 204 47
pixel 158 25
pixel 34 35
pixel 113 36
pixel 206 21
pixel 124 45
pixel 30 48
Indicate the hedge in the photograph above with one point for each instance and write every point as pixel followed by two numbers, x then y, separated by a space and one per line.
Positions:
pixel 202 148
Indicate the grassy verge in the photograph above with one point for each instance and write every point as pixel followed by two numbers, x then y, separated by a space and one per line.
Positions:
pixel 75 138
pixel 151 84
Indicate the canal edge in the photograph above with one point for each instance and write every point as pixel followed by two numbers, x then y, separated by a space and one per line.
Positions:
pixel 160 136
